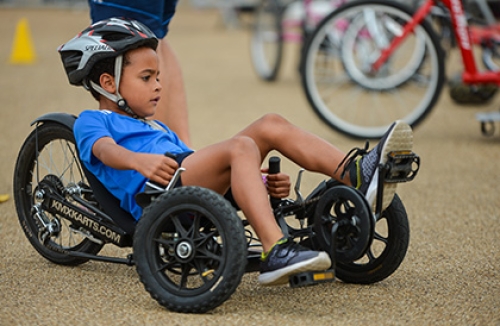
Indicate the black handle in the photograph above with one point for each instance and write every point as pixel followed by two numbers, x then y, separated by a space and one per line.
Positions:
pixel 155 186
pixel 172 156
pixel 274 164
pixel 274 167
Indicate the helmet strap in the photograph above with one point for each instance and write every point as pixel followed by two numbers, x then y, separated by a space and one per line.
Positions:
pixel 117 98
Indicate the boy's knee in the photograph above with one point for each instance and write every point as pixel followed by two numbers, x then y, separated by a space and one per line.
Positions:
pixel 273 119
pixel 244 145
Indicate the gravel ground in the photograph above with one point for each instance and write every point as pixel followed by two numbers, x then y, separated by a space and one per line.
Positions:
pixel 451 274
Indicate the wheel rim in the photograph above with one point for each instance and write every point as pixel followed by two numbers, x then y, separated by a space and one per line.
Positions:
pixel 187 252
pixel 365 108
pixel 377 251
pixel 57 157
pixel 266 40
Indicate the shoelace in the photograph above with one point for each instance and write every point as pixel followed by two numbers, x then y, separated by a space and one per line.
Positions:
pixel 285 246
pixel 351 157
pixel 291 245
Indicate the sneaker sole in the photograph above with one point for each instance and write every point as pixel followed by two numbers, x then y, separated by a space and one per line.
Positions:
pixel 279 277
pixel 399 139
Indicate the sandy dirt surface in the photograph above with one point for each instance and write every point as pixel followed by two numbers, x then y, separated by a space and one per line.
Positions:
pixel 451 274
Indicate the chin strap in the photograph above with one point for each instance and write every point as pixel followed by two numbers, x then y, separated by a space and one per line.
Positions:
pixel 117 98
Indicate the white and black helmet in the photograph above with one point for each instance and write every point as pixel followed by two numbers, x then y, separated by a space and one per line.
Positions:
pixel 104 39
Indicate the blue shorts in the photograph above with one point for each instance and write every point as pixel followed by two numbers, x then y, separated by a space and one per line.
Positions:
pixel 155 14
pixel 179 158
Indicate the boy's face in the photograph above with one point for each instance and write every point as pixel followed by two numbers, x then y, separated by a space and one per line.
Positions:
pixel 140 85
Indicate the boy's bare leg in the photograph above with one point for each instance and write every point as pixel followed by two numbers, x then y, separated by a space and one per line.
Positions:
pixel 172 108
pixel 273 132
pixel 236 163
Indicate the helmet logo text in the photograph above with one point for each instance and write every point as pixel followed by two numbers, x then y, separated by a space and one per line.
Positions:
pixel 100 47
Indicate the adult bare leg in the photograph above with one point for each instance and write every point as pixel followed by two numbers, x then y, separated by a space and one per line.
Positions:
pixel 172 108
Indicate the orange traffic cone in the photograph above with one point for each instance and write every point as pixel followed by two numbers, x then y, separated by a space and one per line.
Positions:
pixel 22 50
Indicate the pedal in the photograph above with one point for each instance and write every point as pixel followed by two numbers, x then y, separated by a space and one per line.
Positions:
pixel 311 278
pixel 401 166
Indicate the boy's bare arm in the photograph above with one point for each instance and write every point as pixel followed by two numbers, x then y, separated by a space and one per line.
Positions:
pixel 155 167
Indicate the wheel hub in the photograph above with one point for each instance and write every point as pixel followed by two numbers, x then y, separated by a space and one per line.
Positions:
pixel 184 250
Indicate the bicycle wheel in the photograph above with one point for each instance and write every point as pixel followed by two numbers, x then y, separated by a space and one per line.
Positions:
pixel 49 151
pixel 386 252
pixel 266 47
pixel 491 56
pixel 190 249
pixel 344 90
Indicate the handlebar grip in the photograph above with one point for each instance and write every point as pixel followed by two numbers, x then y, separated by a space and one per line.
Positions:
pixel 274 167
pixel 172 156
pixel 274 164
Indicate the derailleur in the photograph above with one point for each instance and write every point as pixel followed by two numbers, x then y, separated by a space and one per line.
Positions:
pixel 48 228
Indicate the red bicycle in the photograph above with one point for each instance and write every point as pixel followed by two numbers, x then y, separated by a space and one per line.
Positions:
pixel 388 64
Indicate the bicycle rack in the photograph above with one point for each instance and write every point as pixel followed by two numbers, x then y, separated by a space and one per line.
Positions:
pixel 487 120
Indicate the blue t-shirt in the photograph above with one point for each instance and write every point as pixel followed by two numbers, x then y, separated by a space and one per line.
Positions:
pixel 133 134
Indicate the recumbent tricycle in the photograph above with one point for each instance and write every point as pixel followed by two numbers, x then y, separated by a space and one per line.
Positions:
pixel 190 247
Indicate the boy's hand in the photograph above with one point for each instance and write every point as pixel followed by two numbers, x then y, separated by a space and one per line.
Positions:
pixel 278 185
pixel 157 167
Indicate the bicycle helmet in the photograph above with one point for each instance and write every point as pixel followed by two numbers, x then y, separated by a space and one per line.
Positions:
pixel 104 39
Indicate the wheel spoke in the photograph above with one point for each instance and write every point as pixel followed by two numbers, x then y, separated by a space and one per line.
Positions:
pixel 378 237
pixel 186 268
pixel 178 225
pixel 341 83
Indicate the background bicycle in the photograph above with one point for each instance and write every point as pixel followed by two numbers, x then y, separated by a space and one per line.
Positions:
pixel 280 21
pixel 371 62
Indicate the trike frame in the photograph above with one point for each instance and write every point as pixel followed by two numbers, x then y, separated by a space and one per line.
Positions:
pixel 334 218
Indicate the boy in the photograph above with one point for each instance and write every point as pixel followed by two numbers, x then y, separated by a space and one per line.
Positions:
pixel 117 62
pixel 156 15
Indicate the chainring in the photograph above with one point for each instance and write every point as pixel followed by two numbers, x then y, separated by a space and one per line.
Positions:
pixel 356 225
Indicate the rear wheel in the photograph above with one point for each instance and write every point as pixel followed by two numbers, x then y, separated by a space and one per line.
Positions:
pixel 49 151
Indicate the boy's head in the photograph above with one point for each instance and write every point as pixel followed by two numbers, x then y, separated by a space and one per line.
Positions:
pixel 100 49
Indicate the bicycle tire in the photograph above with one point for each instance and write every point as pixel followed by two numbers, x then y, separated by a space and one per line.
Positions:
pixel 49 150
pixel 386 252
pixel 190 249
pixel 491 56
pixel 266 46
pixel 365 108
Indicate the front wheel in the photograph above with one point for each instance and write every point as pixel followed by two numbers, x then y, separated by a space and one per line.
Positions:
pixel 386 252
pixel 190 249
pixel 341 83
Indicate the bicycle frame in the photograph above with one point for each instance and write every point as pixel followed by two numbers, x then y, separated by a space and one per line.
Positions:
pixel 461 29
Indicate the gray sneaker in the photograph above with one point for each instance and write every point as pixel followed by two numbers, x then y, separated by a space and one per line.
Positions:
pixel 287 258
pixel 364 171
